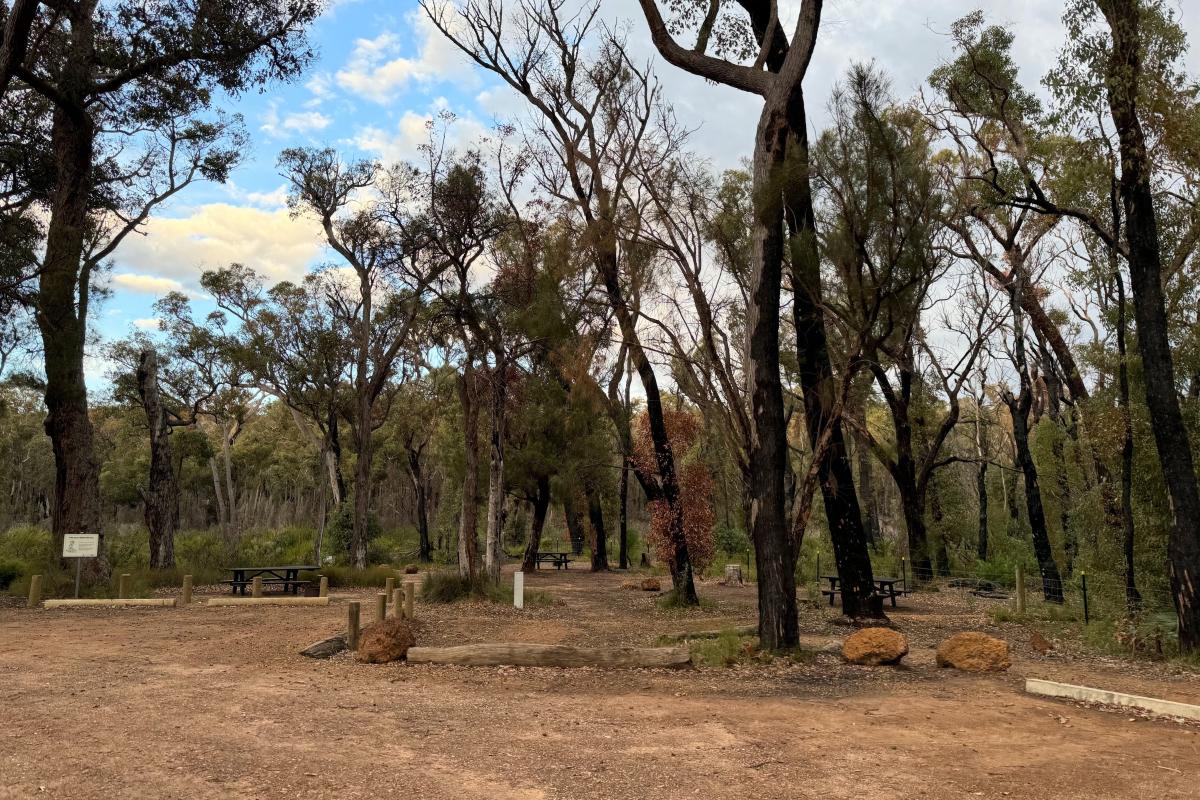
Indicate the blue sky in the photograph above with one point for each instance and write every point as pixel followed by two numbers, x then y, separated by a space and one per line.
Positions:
pixel 382 71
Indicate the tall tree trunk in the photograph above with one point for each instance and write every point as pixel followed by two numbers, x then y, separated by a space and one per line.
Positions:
pixel 774 548
pixel 219 493
pixel 360 533
pixel 468 547
pixel 599 534
pixel 818 385
pixel 1070 544
pixel 1145 272
pixel 1133 598
pixel 64 284
pixel 1019 407
pixel 161 497
pixel 417 473
pixel 981 547
pixel 623 515
pixel 228 437
pixel 541 503
pixel 913 507
pixel 494 556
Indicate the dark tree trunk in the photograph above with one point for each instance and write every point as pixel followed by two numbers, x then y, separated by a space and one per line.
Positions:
pixel 362 495
pixel 498 417
pixel 1019 408
pixel 981 551
pixel 913 507
pixel 818 386
pixel 335 454
pixel 468 546
pixel 541 504
pixel 64 285
pixel 623 515
pixel 421 490
pixel 1133 598
pixel 1070 545
pixel 1145 272
pixel 866 486
pixel 774 549
pixel 161 498
pixel 599 534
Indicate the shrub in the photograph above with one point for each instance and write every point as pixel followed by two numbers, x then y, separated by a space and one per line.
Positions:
pixel 725 650
pixel 449 587
pixel 27 545
pixel 9 572
pixel 343 576
pixel 731 539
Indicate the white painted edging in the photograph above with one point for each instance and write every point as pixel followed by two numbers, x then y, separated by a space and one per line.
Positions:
pixel 1167 708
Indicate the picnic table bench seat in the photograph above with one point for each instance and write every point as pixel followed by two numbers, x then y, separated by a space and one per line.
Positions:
pixel 884 587
pixel 286 577
pixel 559 560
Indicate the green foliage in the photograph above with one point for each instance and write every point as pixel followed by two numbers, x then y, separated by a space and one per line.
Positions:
pixel 672 600
pixel 27 546
pixel 731 539
pixel 342 576
pixel 449 587
pixel 10 570
pixel 394 547
pixel 725 650
pixel 340 528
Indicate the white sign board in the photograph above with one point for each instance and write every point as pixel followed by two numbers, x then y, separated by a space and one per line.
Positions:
pixel 81 545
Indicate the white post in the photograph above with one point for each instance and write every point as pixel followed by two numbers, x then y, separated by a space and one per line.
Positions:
pixel 519 589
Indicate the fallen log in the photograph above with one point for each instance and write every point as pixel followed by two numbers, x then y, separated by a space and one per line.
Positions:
pixel 268 601
pixel 549 655
pixel 683 636
pixel 101 602
pixel 326 648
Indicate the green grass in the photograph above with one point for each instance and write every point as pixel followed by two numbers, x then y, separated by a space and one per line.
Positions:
pixel 672 600
pixel 725 650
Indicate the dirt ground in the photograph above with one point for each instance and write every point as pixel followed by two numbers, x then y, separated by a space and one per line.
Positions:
pixel 216 702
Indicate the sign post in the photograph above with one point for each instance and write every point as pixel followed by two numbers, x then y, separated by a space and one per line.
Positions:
pixel 80 546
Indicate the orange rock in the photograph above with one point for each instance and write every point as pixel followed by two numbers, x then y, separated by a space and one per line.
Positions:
pixel 386 640
pixel 1040 643
pixel 972 651
pixel 875 646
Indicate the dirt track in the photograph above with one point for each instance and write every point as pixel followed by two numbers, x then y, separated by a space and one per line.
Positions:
pixel 201 703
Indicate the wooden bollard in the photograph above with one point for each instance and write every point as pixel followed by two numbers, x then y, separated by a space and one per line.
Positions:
pixel 389 586
pixel 123 586
pixel 256 586
pixel 186 596
pixel 410 591
pixel 1020 589
pixel 380 606
pixel 398 603
pixel 35 591
pixel 352 625
pixel 324 586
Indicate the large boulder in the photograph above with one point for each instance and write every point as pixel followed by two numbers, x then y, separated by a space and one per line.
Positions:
pixel 384 641
pixel 875 646
pixel 972 651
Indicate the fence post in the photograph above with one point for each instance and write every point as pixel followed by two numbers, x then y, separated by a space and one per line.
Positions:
pixel 389 588
pixel 381 606
pixel 410 592
pixel 256 586
pixel 324 586
pixel 352 625
pixel 35 591
pixel 1020 589
pixel 186 597
pixel 1083 581
pixel 123 586
pixel 518 589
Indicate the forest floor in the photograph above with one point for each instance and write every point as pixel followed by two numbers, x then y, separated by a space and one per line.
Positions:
pixel 217 703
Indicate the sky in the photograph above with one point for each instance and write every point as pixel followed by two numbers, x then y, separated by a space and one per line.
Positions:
pixel 383 71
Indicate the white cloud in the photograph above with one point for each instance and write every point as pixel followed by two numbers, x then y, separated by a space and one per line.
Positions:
pixel 175 251
pixel 306 121
pixel 377 71
pixel 146 284
pixel 147 323
pixel 402 142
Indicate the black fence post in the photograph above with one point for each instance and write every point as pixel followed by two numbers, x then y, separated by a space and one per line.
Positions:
pixel 1083 583
pixel 817 577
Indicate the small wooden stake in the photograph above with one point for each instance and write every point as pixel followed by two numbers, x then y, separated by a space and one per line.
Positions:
pixel 389 586
pixel 410 591
pixel 324 586
pixel 123 586
pixel 186 597
pixel 380 606
pixel 1020 589
pixel 398 603
pixel 352 625
pixel 256 586
pixel 35 591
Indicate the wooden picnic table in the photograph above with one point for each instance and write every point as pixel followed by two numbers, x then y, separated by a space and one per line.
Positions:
pixel 558 559
pixel 885 587
pixel 287 576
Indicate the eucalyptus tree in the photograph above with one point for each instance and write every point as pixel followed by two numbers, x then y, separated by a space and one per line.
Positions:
pixel 593 110
pixel 129 88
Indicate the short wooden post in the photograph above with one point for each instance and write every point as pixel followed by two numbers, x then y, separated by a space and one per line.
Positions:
pixel 123 586
pixel 397 600
pixel 380 606
pixel 389 588
pixel 352 625
pixel 1020 589
pixel 410 593
pixel 256 586
pixel 324 586
pixel 518 589
pixel 35 591
pixel 186 594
